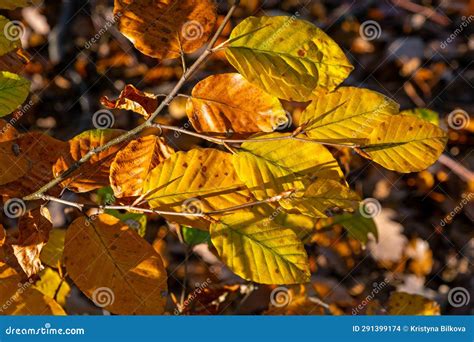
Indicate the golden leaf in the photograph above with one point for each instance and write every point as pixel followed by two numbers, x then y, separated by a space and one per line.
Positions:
pixel 133 99
pixel 402 303
pixel 132 277
pixel 52 252
pixel 132 165
pixel 51 285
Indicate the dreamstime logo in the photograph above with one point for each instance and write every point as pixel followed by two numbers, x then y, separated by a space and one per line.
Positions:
pixel 370 30
pixel 14 208
pixel 192 30
pixel 103 119
pixel 103 296
pixel 280 297
pixel 370 207
pixel 466 198
pixel 22 287
pixel 458 296
pixel 458 119
pixel 14 30
pixel 192 206
pixel 281 123
pixel 464 24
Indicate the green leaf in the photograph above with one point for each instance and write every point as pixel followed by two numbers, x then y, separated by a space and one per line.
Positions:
pixel 260 250
pixel 8 42
pixel 287 57
pixel 271 168
pixel 405 143
pixel 423 113
pixel 358 226
pixel 194 236
pixel 348 114
pixel 14 90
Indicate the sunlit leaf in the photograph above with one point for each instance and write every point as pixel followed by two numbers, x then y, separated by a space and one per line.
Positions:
pixel 287 57
pixel 405 143
pixel 423 113
pixel 52 252
pixel 8 132
pixel 94 174
pixel 14 90
pixel 51 285
pixel 132 164
pixel 135 221
pixel 159 27
pixel 348 114
pixel 229 103
pixel 198 181
pixel 402 303
pixel 132 276
pixel 260 250
pixel 133 99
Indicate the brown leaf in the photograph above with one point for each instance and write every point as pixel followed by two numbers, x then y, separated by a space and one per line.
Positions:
pixel 132 165
pixel 14 61
pixel 229 103
pixel 93 174
pixel 7 131
pixel 156 27
pixel 133 99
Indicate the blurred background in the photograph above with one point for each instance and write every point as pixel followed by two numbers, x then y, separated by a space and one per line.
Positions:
pixel 420 53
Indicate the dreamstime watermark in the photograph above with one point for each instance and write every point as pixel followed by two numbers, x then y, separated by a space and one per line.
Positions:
pixel 280 297
pixel 458 296
pixel 14 208
pixel 199 288
pixel 103 119
pixel 370 30
pixel 46 330
pixel 377 287
pixel 464 24
pixel 192 206
pixel 192 30
pixel 102 31
pixel 14 30
pixel 466 198
pixel 370 208
pixel 458 119
pixel 103 296
pixel 22 287
pixel 22 110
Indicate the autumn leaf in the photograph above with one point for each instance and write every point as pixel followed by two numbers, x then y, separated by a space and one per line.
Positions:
pixel 159 28
pixel 133 163
pixel 269 170
pixel 402 303
pixel 405 143
pixel 347 115
pixel 94 174
pixel 8 132
pixel 133 99
pixel 14 61
pixel 292 301
pixel 10 42
pixel 3 235
pixel 228 103
pixel 52 252
pixel 13 164
pixel 423 113
pixel 197 181
pixel 52 285
pixel 23 298
pixel 35 153
pixel 14 90
pixel 287 57
pixel 358 226
pixel 260 250
pixel 133 278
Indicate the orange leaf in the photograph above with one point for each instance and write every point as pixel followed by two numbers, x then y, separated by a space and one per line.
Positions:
pixel 133 99
pixel 7 131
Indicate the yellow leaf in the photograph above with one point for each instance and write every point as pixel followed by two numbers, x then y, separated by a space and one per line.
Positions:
pixel 423 113
pixel 14 90
pixel 52 252
pixel 159 27
pixel 402 303
pixel 348 114
pixel 287 57
pixel 94 174
pixel 323 195
pixel 200 180
pixel 229 103
pixel 260 250
pixel 405 143
pixel 12 4
pixel 11 40
pixel 51 285
pixel 133 99
pixel 115 267
pixel 269 168
pixel 20 298
pixel 132 165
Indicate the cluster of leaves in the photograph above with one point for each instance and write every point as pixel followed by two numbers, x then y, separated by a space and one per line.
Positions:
pixel 258 199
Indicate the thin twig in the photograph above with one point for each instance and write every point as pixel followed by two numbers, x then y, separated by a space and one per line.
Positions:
pixel 126 136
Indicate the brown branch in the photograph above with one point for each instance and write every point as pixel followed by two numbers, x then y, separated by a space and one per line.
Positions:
pixel 128 135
